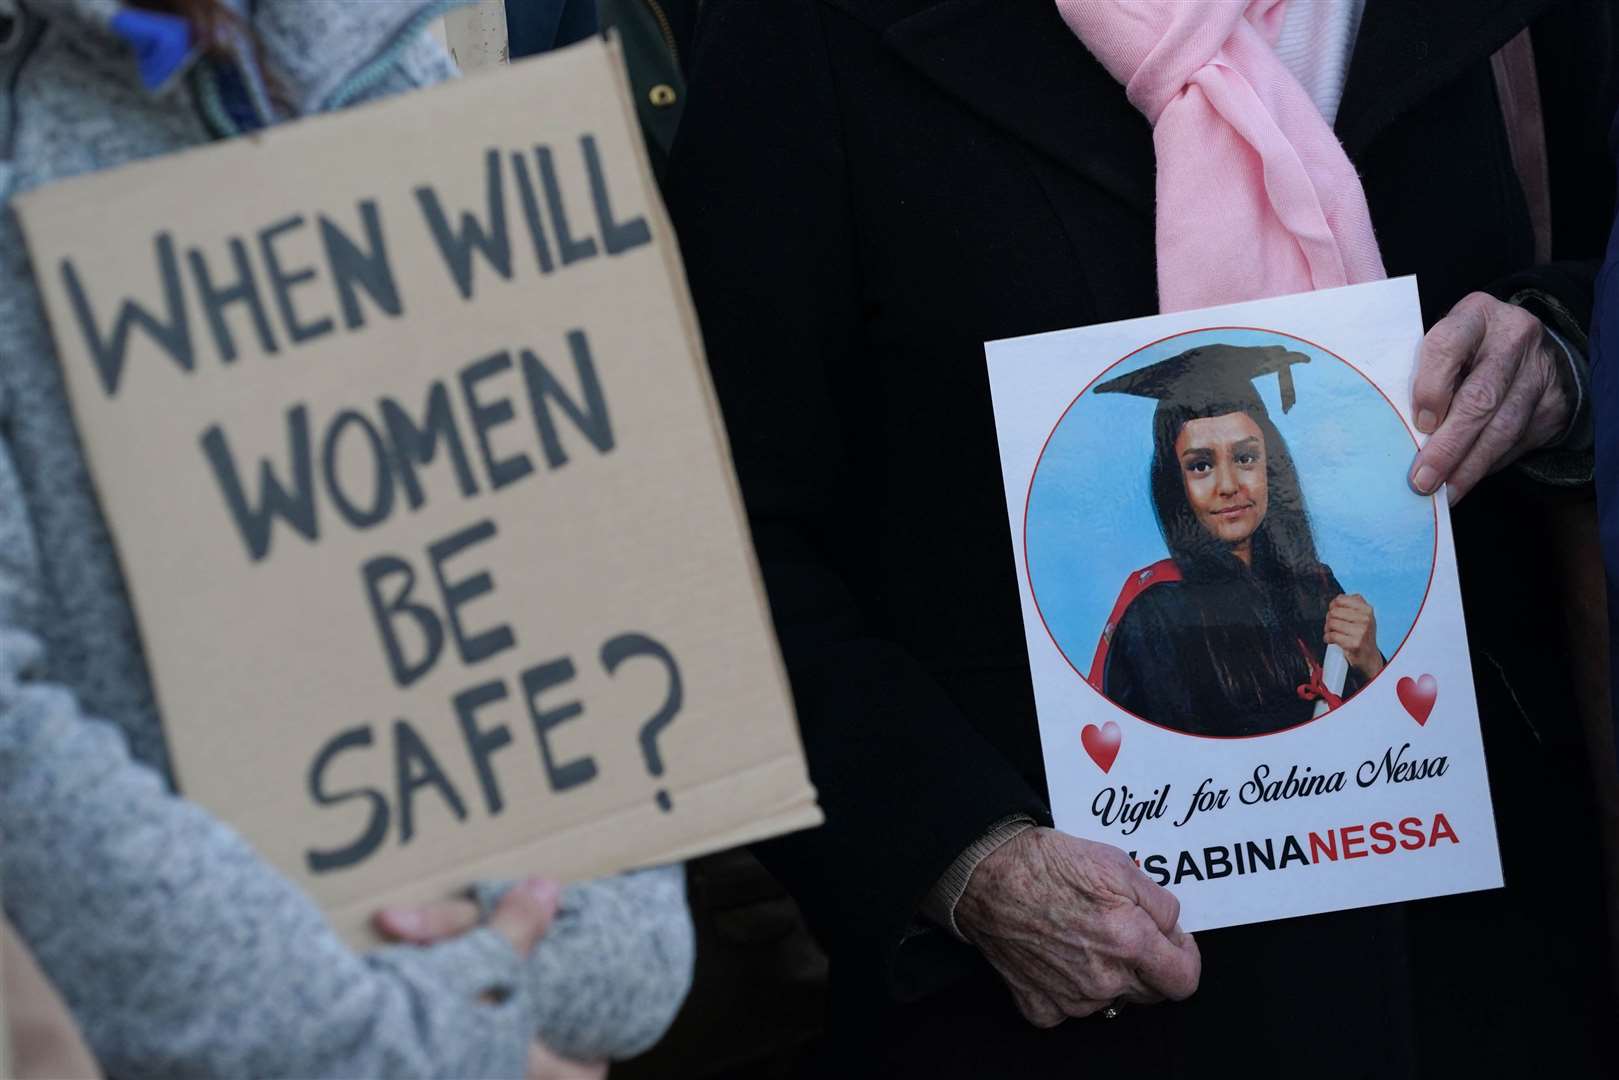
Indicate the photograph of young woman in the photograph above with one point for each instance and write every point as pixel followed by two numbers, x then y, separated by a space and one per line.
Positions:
pixel 1228 636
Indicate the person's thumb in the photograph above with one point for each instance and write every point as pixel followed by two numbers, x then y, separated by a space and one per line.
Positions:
pixel 524 914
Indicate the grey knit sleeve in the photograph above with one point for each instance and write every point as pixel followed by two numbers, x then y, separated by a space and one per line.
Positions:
pixel 611 973
pixel 179 951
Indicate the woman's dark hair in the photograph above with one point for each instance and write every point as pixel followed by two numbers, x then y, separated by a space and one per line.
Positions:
pixel 1252 618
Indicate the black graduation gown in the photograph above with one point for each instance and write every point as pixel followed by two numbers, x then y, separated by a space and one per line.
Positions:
pixel 1159 667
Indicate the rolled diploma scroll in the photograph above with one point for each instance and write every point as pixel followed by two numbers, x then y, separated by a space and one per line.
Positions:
pixel 1334 672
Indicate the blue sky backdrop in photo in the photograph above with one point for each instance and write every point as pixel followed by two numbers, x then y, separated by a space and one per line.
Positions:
pixel 1091 523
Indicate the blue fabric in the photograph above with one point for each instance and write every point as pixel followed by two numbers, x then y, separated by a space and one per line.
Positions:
pixel 537 26
pixel 1605 405
pixel 161 42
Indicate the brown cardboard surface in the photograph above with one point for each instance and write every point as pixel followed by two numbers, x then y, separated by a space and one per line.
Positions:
pixel 6 1068
pixel 616 559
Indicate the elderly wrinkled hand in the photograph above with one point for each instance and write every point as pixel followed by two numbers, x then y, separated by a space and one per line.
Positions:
pixel 1490 387
pixel 1074 926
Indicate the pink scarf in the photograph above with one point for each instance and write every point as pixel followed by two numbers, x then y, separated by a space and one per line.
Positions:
pixel 1256 197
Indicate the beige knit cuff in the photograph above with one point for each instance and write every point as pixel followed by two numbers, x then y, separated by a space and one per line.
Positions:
pixel 939 906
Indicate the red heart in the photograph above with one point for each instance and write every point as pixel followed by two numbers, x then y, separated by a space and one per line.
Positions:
pixel 1102 743
pixel 1418 695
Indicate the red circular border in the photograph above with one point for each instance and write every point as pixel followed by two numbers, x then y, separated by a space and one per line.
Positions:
pixel 1028 573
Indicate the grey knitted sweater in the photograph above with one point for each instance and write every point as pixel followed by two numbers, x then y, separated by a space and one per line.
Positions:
pixel 179 950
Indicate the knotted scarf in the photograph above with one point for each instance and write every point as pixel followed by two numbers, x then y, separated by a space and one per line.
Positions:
pixel 1256 196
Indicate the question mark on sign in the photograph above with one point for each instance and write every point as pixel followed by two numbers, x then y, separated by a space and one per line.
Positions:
pixel 622 648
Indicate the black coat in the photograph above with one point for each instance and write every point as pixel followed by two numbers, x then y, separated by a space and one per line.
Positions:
pixel 868 190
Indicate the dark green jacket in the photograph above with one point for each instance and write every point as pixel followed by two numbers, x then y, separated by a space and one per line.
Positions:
pixel 656 35
pixel 652 32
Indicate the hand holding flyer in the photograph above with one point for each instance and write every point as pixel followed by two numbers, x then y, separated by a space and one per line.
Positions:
pixel 1244 628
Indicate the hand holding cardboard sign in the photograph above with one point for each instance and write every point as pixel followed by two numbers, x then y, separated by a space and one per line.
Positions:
pixel 1073 926
pixel 1489 389
pixel 522 917
pixel 544 1065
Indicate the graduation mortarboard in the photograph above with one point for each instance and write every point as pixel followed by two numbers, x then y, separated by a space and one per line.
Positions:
pixel 1211 376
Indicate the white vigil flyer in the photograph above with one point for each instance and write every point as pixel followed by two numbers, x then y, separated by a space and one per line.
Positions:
pixel 1244 628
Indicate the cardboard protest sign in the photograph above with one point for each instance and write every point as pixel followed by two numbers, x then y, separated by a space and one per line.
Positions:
pixel 402 427
pixel 1244 628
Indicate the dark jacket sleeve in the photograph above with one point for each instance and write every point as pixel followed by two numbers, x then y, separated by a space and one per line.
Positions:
pixel 758 190
pixel 1577 69
pixel 1576 48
